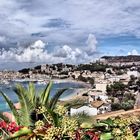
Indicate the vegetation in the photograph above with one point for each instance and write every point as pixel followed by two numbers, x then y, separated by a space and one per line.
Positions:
pixel 42 118
pixel 115 89
pixel 126 105
pixel 119 128
pixel 89 80
pixel 92 67
pixel 125 100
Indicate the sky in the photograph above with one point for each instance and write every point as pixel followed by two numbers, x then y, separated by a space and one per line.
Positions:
pixel 35 32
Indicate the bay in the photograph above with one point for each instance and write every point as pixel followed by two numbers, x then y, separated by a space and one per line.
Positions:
pixel 8 89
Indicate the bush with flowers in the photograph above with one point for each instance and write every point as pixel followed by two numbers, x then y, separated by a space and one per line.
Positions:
pixel 64 128
pixel 41 118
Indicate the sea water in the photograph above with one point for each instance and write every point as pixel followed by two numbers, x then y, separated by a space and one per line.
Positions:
pixel 8 89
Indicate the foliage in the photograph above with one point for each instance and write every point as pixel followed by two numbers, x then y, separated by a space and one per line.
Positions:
pixel 81 78
pixel 119 128
pixel 92 67
pixel 31 103
pixel 49 121
pixel 126 105
pixel 90 80
pixel 114 88
pixel 83 117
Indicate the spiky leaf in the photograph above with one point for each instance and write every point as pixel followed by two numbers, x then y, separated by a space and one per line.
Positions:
pixel 31 92
pixel 3 117
pixel 12 107
pixel 56 97
pixel 26 105
pixel 46 93
pixel 106 136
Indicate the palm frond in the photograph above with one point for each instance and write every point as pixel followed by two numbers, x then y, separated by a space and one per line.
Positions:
pixel 82 117
pixel 12 107
pixel 31 92
pixel 26 105
pixel 46 93
pixel 53 115
pixel 56 97
pixel 3 117
pixel 74 103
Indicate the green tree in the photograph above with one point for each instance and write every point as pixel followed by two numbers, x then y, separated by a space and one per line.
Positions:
pixel 30 101
pixel 115 89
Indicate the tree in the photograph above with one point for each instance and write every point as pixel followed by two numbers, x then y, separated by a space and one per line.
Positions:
pixel 138 82
pixel 109 71
pixel 132 80
pixel 91 80
pixel 115 89
pixel 30 102
pixel 115 106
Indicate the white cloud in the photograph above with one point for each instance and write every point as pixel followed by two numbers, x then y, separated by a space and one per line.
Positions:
pixel 133 52
pixel 33 53
pixel 64 22
pixel 91 44
pixel 108 17
pixel 37 52
pixel 2 39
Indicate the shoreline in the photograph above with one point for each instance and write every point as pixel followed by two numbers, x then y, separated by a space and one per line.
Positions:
pixel 77 93
pixel 86 85
pixel 45 81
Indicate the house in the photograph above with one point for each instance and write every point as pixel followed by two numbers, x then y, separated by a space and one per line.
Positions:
pixel 84 109
pixel 101 86
pixel 134 72
pixel 101 106
pixel 98 97
pixel 93 108
pixel 97 94
pixel 137 102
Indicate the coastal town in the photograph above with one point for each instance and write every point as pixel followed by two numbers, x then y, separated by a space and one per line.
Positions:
pixel 70 70
pixel 114 83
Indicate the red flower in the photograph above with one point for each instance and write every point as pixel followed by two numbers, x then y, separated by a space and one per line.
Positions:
pixel 92 135
pixel 3 124
pixel 12 127
pixel 78 137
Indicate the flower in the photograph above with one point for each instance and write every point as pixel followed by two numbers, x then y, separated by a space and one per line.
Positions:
pixel 53 133
pixel 61 110
pixel 3 124
pixel 13 127
pixel 39 124
pixel 40 110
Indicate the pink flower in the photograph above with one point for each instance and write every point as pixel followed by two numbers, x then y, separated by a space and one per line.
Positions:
pixel 3 124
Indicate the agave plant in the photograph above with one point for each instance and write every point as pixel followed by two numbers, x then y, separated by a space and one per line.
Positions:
pixel 30 102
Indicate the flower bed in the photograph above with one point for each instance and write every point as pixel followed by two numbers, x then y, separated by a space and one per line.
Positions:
pixel 41 118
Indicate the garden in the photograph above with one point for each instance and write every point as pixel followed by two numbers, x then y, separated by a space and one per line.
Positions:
pixel 42 118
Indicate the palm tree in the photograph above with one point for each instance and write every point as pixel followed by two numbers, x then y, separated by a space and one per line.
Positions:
pixel 29 101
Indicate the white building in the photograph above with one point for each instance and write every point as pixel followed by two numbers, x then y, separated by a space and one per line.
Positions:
pixel 86 109
pixel 101 86
pixel 94 108
pixel 135 73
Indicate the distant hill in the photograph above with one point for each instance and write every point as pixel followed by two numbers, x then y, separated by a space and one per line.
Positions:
pixel 129 58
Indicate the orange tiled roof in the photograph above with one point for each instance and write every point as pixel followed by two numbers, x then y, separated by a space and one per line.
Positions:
pixel 97 104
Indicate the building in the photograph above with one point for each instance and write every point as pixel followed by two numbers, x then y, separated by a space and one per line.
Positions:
pixel 93 108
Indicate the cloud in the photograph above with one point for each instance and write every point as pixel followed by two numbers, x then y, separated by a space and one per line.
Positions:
pixel 2 39
pixel 37 52
pixel 33 53
pixel 65 23
pixel 133 52
pixel 91 42
pixel 21 19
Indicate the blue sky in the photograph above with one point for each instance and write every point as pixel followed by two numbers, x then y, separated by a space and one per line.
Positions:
pixel 69 31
